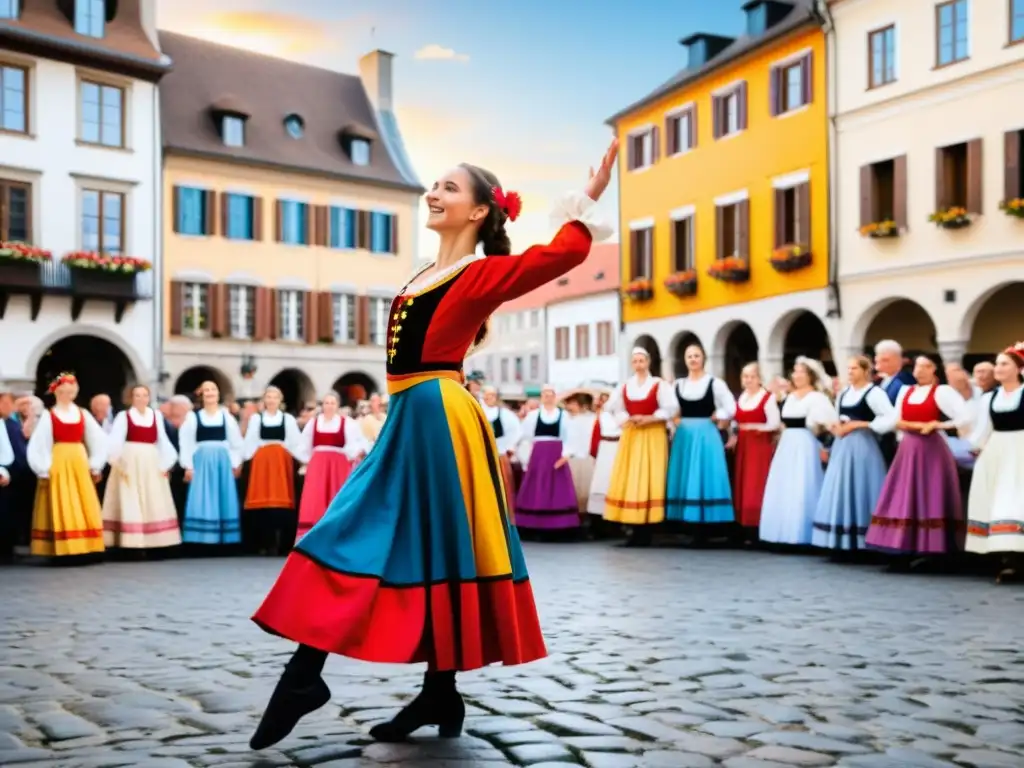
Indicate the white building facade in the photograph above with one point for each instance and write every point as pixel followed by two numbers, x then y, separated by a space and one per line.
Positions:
pixel 514 358
pixel 929 116
pixel 583 340
pixel 80 171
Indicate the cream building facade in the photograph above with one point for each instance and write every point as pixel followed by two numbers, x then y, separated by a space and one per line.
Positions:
pixel 928 111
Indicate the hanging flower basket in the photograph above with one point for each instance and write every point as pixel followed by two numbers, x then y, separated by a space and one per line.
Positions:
pixel 1014 207
pixel 951 218
pixel 104 262
pixel 682 283
pixel 730 270
pixel 790 258
pixel 880 229
pixel 638 290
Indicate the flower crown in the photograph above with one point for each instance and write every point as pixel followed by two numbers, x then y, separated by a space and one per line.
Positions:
pixel 508 202
pixel 61 379
pixel 1016 351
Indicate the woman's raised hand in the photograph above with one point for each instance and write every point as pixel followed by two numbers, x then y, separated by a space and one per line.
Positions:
pixel 600 178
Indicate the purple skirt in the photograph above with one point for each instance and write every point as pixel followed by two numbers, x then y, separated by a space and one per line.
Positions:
pixel 547 498
pixel 919 510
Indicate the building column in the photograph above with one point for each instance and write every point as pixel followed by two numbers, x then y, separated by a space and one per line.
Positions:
pixel 716 364
pixel 771 366
pixel 952 351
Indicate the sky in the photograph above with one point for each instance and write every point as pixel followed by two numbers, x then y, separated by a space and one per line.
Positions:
pixel 523 90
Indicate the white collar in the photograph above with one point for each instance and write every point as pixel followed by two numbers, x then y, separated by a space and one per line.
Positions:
pixel 418 286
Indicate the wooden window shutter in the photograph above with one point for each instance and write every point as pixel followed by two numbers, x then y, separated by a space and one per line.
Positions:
pixel 741 107
pixel 257 218
pixel 670 135
pixel 672 245
pixel 716 117
pixel 273 313
pixel 807 76
pixel 309 225
pixel 940 179
pixel 655 144
pixel 362 229
pixel 774 76
pixel 325 225
pixel 630 154
pixel 223 214
pixel 866 214
pixel 218 298
pixel 363 320
pixel 311 319
pixel 210 212
pixel 693 127
pixel 743 229
pixel 176 208
pixel 278 221
pixel 803 208
pixel 1011 158
pixel 260 314
pixel 176 307
pixel 975 176
pixel 634 254
pixel 899 191
pixel 720 232
pixel 325 316
pixel 393 219
pixel 780 218
pixel 649 254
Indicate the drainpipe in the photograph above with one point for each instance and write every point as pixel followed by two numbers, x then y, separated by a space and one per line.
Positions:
pixel 824 16
pixel 158 253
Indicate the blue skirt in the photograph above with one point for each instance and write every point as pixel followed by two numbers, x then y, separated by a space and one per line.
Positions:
pixel 792 491
pixel 698 488
pixel 849 494
pixel 211 509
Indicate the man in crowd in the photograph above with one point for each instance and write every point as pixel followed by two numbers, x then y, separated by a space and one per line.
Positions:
pixel 984 375
pixel 373 422
pixel 16 482
pixel 102 411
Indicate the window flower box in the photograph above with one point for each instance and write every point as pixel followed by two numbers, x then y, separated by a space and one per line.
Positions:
pixel 105 262
pixel 790 258
pixel 1014 207
pixel 880 229
pixel 951 218
pixel 638 290
pixel 732 269
pixel 20 265
pixel 682 283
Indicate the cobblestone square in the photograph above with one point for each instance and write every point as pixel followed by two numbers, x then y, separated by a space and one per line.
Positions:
pixel 673 658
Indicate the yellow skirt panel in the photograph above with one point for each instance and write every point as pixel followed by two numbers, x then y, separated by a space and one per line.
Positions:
pixel 636 493
pixel 67 518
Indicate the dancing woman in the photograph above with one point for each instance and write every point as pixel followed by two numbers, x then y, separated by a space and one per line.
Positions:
pixel 416 560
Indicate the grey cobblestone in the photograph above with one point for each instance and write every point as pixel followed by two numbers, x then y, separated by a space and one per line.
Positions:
pixel 770 662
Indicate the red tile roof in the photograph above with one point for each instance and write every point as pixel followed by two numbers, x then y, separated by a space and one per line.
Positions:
pixel 598 274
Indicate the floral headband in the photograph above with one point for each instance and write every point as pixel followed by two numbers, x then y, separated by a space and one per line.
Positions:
pixel 1016 351
pixel 60 380
pixel 508 202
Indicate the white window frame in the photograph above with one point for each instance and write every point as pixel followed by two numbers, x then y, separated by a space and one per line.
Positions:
pixel 378 320
pixel 685 110
pixel 233 130
pixel 645 132
pixel 343 318
pixel 290 313
pixel 195 306
pixel 241 304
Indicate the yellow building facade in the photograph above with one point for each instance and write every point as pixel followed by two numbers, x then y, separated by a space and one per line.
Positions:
pixel 724 200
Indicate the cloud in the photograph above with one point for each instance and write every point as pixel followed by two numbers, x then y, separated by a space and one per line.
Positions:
pixel 435 52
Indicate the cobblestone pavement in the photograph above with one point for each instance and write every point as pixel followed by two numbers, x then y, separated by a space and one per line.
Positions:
pixel 666 658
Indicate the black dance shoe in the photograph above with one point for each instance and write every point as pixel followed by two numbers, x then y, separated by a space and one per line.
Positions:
pixel 439 703
pixel 293 699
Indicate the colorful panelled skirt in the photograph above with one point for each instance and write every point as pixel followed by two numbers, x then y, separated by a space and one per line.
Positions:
pixel 211 509
pixel 547 498
pixel 138 508
pixel 849 494
pixel 793 489
pixel 919 510
pixel 699 490
pixel 415 560
pixel 67 519
pixel 754 451
pixel 326 473
pixel 995 507
pixel 508 481
pixel 636 493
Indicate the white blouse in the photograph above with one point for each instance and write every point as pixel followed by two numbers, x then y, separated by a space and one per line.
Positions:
pixel 40 445
pixel 187 437
pixel 118 436
pixel 6 451
pixel 608 426
pixel 635 389
pixel 748 402
pixel 546 417
pixel 948 399
pixel 509 425
pixel 356 443
pixel 885 414
pixel 581 430
pixel 694 390
pixel 814 408
pixel 253 442
pixel 1000 401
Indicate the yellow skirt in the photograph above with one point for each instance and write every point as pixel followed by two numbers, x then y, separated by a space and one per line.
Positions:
pixel 636 493
pixel 67 519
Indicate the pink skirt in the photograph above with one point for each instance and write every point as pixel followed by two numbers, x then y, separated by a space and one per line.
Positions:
pixel 325 475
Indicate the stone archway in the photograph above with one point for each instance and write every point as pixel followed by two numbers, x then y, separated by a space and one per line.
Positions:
pixel 735 346
pixel 994 322
pixel 191 378
pixel 100 367
pixel 904 321
pixel 648 343
pixel 296 388
pixel 680 342
pixel 355 386
pixel 805 336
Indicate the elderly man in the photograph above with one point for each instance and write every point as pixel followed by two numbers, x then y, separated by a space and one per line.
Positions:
pixel 102 410
pixel 889 366
pixel 373 422
pixel 178 407
pixel 984 375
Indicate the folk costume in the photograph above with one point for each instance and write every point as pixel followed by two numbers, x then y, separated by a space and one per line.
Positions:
pixel 329 449
pixel 416 559
pixel 211 446
pixel 581 463
pixel 856 470
pixel 547 498
pixel 270 445
pixel 607 434
pixel 892 385
pixel 507 433
pixel 66 448
pixel 636 492
pixel 138 508
pixel 13 496
pixel 371 425
pixel 758 422
pixel 796 475
pixel 699 491
pixel 919 510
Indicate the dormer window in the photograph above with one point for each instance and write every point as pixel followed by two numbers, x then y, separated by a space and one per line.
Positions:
pixel 90 17
pixel 359 150
pixel 233 131
pixel 357 141
pixel 697 54
pixel 702 48
pixel 9 9
pixel 762 15
pixel 757 20
pixel 295 126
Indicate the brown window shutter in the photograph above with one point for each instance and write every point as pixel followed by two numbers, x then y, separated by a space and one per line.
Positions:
pixel 693 127
pixel 866 214
pixel 803 207
pixel 899 191
pixel 362 229
pixel 1011 183
pixel 807 72
pixel 278 221
pixel 720 232
pixel 260 314
pixel 940 179
pixel 210 212
pixel 774 76
pixel 325 225
pixel 743 229
pixel 672 245
pixel 394 233
pixel 630 154
pixel 218 310
pixel 716 119
pixel 176 307
pixel 655 144
pixel 742 105
pixel 974 176
pixel 363 320
pixel 633 250
pixel 257 218
pixel 309 235
pixel 176 208
pixel 325 316
pixel 780 218
pixel 273 313
pixel 670 135
pixel 223 214
pixel 311 317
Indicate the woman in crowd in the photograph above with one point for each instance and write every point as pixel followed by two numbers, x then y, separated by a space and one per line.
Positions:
pixel 996 505
pixel 757 423
pixel 67 453
pixel 507 432
pixel 547 498
pixel 604 447
pixel 211 455
pixel 581 429
pixel 856 467
pixel 138 508
pixel 699 491
pixel 796 475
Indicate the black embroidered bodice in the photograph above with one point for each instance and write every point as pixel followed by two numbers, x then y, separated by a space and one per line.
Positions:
pixel 554 429
pixel 216 433
pixel 1007 421
pixel 272 433
pixel 697 409
pixel 859 411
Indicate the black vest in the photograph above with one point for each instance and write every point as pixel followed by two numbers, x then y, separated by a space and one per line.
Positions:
pixel 1006 421
pixel 498 429
pixel 697 409
pixel 216 433
pixel 272 433
pixel 793 422
pixel 860 411
pixel 549 430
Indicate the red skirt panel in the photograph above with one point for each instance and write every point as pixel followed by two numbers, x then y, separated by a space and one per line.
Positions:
pixel 271 479
pixel 754 452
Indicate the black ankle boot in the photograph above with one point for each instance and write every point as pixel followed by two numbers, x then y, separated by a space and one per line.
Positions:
pixel 300 691
pixel 439 703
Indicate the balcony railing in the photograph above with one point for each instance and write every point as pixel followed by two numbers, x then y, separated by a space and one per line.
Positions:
pixel 55 278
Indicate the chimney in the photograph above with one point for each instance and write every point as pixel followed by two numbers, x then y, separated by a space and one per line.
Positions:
pixel 375 72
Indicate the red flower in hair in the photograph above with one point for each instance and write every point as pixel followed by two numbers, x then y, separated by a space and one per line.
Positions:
pixel 1016 351
pixel 61 379
pixel 509 202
